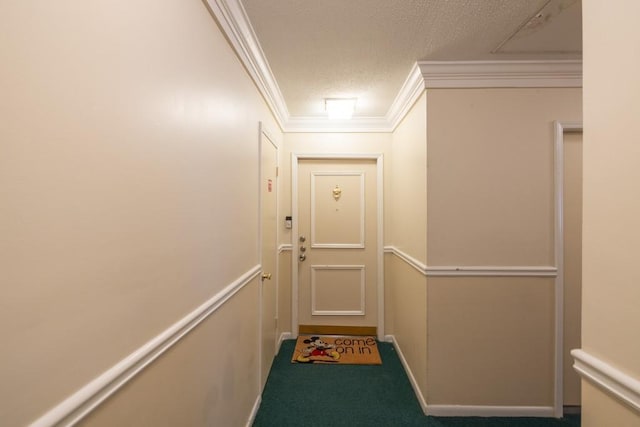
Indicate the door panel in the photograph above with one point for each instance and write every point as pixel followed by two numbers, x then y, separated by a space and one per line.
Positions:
pixel 268 292
pixel 337 209
pixel 346 281
pixel 337 222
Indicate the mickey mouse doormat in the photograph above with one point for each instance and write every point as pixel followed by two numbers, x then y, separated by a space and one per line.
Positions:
pixel 346 350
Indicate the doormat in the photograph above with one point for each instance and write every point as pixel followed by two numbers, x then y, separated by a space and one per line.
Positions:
pixel 343 350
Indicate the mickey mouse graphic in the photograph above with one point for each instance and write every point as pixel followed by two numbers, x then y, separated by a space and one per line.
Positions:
pixel 318 350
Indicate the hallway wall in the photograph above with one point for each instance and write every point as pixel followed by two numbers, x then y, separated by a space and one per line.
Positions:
pixel 408 184
pixel 406 291
pixel 490 205
pixel 491 174
pixel 611 236
pixel 473 169
pixel 129 199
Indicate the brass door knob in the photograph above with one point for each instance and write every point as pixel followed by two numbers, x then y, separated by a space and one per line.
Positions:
pixel 266 276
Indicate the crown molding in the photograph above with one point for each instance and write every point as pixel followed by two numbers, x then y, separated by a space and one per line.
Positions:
pixel 409 93
pixel 235 24
pixel 501 74
pixel 233 21
pixel 451 75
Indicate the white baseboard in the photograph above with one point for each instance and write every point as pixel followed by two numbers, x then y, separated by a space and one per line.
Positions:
pixel 254 411
pixel 571 410
pixel 407 369
pixel 283 336
pixel 607 378
pixel 489 411
pixel 77 406
pixel 467 410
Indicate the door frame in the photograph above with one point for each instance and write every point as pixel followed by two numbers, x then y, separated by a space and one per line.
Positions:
pixel 379 158
pixel 560 128
pixel 266 137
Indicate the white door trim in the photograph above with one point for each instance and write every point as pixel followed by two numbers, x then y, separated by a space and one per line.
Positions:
pixel 265 135
pixel 379 158
pixel 560 128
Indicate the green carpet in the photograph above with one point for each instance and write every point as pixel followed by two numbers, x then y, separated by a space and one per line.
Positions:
pixel 357 395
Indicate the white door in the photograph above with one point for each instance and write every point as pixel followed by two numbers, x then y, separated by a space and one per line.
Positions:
pixel 337 243
pixel 268 212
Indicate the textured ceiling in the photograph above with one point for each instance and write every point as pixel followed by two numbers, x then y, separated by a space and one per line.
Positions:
pixel 366 48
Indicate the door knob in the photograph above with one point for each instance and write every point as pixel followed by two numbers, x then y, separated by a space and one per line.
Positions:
pixel 302 239
pixel 266 276
pixel 302 257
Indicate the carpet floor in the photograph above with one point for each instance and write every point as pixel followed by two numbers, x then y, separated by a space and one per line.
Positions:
pixel 357 395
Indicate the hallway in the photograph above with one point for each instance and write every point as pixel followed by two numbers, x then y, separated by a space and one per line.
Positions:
pixel 131 182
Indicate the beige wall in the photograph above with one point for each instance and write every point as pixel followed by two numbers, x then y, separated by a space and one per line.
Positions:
pixel 490 174
pixel 129 144
pixel 406 291
pixel 408 185
pixel 600 409
pixel 611 235
pixel 491 341
pixel 491 203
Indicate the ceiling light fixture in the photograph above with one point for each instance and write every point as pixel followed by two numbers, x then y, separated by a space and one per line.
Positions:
pixel 340 108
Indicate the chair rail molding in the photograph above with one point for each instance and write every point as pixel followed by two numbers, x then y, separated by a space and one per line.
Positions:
pixel 473 271
pixel 416 264
pixel 285 247
pixel 608 378
pixel 77 406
